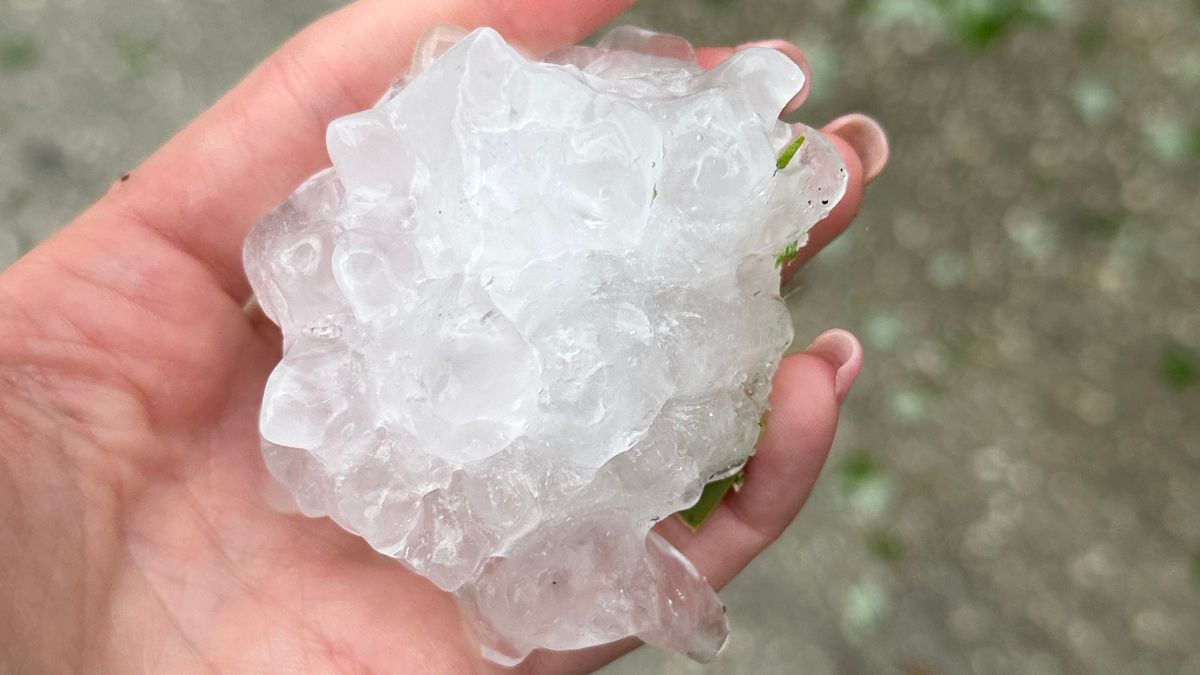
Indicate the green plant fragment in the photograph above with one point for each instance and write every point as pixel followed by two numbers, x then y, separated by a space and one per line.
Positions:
pixel 712 495
pixel 788 254
pixel 789 151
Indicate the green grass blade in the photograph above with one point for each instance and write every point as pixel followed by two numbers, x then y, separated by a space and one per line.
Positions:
pixel 709 499
pixel 789 151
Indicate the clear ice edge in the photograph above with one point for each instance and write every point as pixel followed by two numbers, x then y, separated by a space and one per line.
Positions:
pixel 531 310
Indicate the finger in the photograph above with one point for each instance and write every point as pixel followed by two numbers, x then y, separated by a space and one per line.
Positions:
pixel 864 147
pixel 868 140
pixel 577 661
pixel 781 475
pixel 807 391
pixel 711 57
pixel 207 186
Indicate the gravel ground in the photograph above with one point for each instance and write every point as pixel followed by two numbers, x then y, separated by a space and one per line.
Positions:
pixel 1016 486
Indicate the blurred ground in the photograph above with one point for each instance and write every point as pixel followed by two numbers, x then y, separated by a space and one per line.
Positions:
pixel 1016 486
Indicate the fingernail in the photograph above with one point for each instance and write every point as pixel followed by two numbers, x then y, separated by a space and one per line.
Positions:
pixel 868 139
pixel 842 351
pixel 794 53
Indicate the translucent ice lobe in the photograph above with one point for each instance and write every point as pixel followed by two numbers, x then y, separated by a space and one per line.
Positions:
pixel 762 79
pixel 367 153
pixel 477 376
pixel 531 310
pixel 301 410
pixel 642 41
pixel 435 43
pixel 287 253
pixel 633 584
pixel 688 616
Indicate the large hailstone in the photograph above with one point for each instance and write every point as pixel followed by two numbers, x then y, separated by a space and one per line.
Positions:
pixel 531 310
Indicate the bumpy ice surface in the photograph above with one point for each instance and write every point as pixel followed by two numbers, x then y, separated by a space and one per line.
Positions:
pixel 532 309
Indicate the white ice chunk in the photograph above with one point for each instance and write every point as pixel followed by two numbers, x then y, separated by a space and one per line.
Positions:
pixel 531 310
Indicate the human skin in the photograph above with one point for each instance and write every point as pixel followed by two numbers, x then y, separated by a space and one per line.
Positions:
pixel 134 535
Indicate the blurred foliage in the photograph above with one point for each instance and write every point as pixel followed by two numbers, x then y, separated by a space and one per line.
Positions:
pixel 1179 366
pixel 976 24
pixel 857 470
pixel 980 24
pixel 913 403
pixel 885 545
pixel 1095 100
pixel 1091 38
pixel 17 52
pixel 138 53
pixel 1170 140
pixel 1098 223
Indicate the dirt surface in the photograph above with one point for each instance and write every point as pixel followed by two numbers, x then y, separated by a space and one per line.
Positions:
pixel 1016 485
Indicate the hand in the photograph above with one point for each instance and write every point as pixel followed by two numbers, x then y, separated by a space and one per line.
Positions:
pixel 133 531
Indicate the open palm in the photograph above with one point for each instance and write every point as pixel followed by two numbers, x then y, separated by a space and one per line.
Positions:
pixel 134 534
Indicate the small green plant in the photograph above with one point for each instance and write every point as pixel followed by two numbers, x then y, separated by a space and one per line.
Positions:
pixel 785 158
pixel 788 254
pixel 789 151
